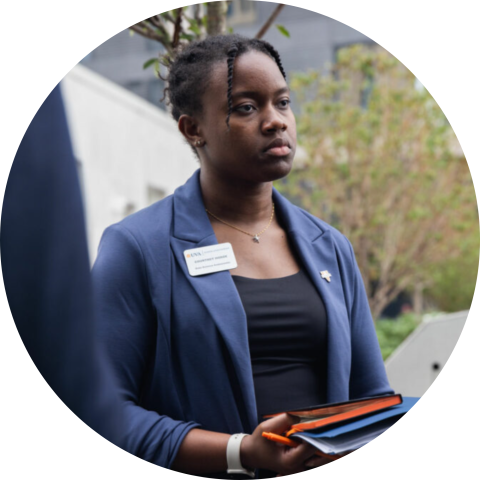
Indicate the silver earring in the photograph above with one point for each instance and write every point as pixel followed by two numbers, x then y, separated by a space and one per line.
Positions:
pixel 199 143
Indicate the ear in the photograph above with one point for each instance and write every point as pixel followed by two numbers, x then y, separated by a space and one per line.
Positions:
pixel 189 128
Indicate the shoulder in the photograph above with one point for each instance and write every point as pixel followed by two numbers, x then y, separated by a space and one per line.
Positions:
pixel 143 235
pixel 153 222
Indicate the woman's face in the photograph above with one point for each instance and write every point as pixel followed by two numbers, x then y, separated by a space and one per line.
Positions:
pixel 261 142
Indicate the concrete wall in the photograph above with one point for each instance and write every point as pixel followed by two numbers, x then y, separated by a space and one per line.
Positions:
pixel 129 152
pixel 416 363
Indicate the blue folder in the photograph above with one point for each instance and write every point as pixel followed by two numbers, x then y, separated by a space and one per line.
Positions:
pixel 355 434
pixel 396 411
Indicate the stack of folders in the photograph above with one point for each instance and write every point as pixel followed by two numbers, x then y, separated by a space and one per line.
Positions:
pixel 339 428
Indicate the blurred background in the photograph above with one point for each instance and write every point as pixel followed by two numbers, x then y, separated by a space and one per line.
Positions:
pixel 377 159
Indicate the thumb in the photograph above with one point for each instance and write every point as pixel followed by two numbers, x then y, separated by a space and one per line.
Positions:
pixel 280 423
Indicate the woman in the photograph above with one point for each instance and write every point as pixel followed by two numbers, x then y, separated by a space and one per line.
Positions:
pixel 192 371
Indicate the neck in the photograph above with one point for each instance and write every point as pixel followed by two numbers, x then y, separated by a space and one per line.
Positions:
pixel 236 201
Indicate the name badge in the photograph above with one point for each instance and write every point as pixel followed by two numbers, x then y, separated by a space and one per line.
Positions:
pixel 211 259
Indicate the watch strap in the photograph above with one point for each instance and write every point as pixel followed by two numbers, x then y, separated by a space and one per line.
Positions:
pixel 234 464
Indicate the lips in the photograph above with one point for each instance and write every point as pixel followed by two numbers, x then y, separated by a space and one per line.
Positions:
pixel 279 147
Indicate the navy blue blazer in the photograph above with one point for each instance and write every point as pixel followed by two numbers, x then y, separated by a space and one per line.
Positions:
pixel 179 344
pixel 47 272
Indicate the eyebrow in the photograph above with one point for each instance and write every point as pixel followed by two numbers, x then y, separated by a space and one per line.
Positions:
pixel 253 93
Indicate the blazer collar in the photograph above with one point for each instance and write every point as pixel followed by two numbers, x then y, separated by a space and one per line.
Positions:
pixel 317 252
pixel 191 221
pixel 217 291
pixel 295 220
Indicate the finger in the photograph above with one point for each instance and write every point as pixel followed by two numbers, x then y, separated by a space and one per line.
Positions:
pixel 317 461
pixel 299 455
pixel 279 423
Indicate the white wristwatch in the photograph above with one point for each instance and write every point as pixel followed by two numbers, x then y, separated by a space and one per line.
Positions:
pixel 234 464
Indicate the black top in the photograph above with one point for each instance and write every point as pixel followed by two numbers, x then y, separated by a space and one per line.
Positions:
pixel 287 333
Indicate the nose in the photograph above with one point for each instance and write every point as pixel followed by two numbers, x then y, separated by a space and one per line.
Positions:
pixel 273 121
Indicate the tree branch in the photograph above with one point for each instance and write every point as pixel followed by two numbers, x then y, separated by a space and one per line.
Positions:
pixel 270 20
pixel 178 27
pixel 155 22
pixel 167 17
pixel 146 32
pixel 160 26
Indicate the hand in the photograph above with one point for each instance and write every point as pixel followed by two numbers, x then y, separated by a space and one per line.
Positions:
pixel 258 452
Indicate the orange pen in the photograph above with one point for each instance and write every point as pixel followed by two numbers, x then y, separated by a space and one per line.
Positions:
pixel 291 443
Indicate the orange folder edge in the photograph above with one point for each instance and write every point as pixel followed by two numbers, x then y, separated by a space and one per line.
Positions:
pixel 357 412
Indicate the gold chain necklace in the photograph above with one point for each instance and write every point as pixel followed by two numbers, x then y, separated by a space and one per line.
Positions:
pixel 256 236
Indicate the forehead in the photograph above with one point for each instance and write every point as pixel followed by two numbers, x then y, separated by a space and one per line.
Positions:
pixel 252 71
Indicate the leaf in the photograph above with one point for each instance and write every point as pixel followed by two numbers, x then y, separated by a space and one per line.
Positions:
pixel 283 30
pixel 149 63
pixel 387 169
pixel 186 36
pixel 194 27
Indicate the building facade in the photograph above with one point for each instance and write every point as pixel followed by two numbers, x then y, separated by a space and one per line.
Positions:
pixel 129 153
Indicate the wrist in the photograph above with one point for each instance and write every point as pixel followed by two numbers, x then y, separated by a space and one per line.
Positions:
pixel 246 453
pixel 234 462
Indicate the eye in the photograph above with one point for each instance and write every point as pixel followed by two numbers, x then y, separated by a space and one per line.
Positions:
pixel 247 108
pixel 285 102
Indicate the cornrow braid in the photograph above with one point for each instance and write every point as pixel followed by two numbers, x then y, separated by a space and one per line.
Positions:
pixel 276 56
pixel 189 71
pixel 232 54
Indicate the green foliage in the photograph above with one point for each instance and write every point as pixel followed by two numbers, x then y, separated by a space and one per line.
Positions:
pixel 195 26
pixel 392 332
pixel 183 25
pixel 453 285
pixel 283 30
pixel 149 63
pixel 171 29
pixel 391 174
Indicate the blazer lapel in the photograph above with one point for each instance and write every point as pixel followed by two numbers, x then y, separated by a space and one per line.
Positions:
pixel 192 229
pixel 316 249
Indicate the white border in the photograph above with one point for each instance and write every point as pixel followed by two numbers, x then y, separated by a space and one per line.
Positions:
pixel 42 41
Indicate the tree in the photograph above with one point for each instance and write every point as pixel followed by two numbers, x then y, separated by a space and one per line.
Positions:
pixel 186 24
pixel 384 167
pixel 454 283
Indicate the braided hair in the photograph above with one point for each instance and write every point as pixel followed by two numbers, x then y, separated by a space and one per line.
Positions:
pixel 189 71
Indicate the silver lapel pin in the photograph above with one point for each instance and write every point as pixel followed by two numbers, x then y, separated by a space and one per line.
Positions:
pixel 326 275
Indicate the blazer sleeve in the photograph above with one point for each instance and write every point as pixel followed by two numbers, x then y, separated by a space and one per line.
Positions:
pixel 127 331
pixel 368 376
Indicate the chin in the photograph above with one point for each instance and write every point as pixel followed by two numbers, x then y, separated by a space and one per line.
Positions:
pixel 276 170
